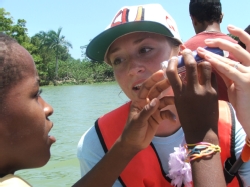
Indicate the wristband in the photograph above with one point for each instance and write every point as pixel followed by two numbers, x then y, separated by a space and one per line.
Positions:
pixel 199 150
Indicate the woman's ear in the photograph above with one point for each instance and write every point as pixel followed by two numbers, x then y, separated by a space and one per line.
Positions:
pixel 181 48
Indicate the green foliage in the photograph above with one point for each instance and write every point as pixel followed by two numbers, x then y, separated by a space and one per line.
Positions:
pixel 54 40
pixel 78 72
pixel 5 21
pixel 234 37
pixel 51 55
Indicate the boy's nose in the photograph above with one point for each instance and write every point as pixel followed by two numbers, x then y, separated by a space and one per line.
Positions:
pixel 48 110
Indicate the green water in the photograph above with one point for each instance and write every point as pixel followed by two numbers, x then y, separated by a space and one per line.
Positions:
pixel 75 110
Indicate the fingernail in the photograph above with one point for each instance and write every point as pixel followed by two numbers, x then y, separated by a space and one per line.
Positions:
pixel 231 27
pixel 208 40
pixel 186 51
pixel 208 57
pixel 153 102
pixel 173 116
pixel 173 58
pixel 201 49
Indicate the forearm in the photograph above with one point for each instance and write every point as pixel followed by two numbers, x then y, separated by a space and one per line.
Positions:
pixel 208 172
pixel 108 169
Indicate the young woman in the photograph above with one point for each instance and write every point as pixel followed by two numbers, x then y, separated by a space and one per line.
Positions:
pixel 135 44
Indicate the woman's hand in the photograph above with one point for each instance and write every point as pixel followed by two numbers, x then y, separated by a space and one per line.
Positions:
pixel 236 75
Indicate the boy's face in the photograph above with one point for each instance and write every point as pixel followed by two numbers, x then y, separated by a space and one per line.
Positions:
pixel 135 57
pixel 26 118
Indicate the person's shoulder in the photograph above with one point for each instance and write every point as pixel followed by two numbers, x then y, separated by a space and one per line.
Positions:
pixel 227 37
pixel 194 42
pixel 191 39
pixel 198 39
pixel 89 146
pixel 88 137
pixel 13 180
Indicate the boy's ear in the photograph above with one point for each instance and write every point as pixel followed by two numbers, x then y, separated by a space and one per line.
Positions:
pixel 194 20
pixel 221 17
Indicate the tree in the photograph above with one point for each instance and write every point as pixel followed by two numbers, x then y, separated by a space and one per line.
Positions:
pixel 42 57
pixel 17 31
pixel 54 40
pixel 6 21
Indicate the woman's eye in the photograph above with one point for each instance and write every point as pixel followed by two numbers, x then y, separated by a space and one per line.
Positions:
pixel 117 61
pixel 145 49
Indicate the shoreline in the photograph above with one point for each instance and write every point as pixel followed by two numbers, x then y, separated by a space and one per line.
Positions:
pixel 77 82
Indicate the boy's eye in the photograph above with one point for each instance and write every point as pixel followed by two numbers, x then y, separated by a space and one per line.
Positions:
pixel 145 49
pixel 39 93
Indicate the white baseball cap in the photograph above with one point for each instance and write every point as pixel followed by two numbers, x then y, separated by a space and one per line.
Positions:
pixel 129 19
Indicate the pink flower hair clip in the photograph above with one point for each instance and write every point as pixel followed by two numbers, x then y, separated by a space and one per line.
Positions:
pixel 179 168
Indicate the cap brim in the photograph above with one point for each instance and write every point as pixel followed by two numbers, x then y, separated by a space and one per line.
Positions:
pixel 96 49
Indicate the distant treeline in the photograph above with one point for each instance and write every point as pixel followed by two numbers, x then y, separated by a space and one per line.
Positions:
pixel 50 51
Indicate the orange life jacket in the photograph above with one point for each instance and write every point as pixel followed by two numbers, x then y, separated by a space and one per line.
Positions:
pixel 145 169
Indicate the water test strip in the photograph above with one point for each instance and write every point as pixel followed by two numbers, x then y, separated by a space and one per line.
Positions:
pixel 198 59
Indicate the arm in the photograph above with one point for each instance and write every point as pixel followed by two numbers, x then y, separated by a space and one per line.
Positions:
pixel 108 169
pixel 197 106
pixel 236 76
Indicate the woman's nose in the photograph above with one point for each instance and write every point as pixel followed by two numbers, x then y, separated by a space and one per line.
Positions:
pixel 135 68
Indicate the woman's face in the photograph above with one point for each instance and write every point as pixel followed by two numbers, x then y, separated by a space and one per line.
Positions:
pixel 26 118
pixel 135 57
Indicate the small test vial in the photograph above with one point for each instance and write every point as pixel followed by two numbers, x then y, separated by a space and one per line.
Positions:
pixel 198 59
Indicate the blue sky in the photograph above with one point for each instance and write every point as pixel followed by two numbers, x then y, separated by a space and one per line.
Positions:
pixel 82 20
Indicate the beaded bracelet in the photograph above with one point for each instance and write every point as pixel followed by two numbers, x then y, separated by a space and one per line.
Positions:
pixel 245 155
pixel 201 149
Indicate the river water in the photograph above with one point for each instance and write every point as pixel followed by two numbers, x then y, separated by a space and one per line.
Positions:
pixel 75 110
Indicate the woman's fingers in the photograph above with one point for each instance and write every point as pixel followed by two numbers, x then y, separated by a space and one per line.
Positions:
pixel 243 36
pixel 226 69
pixel 202 52
pixel 238 52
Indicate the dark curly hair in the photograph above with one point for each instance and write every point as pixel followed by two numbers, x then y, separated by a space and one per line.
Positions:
pixel 205 10
pixel 10 72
